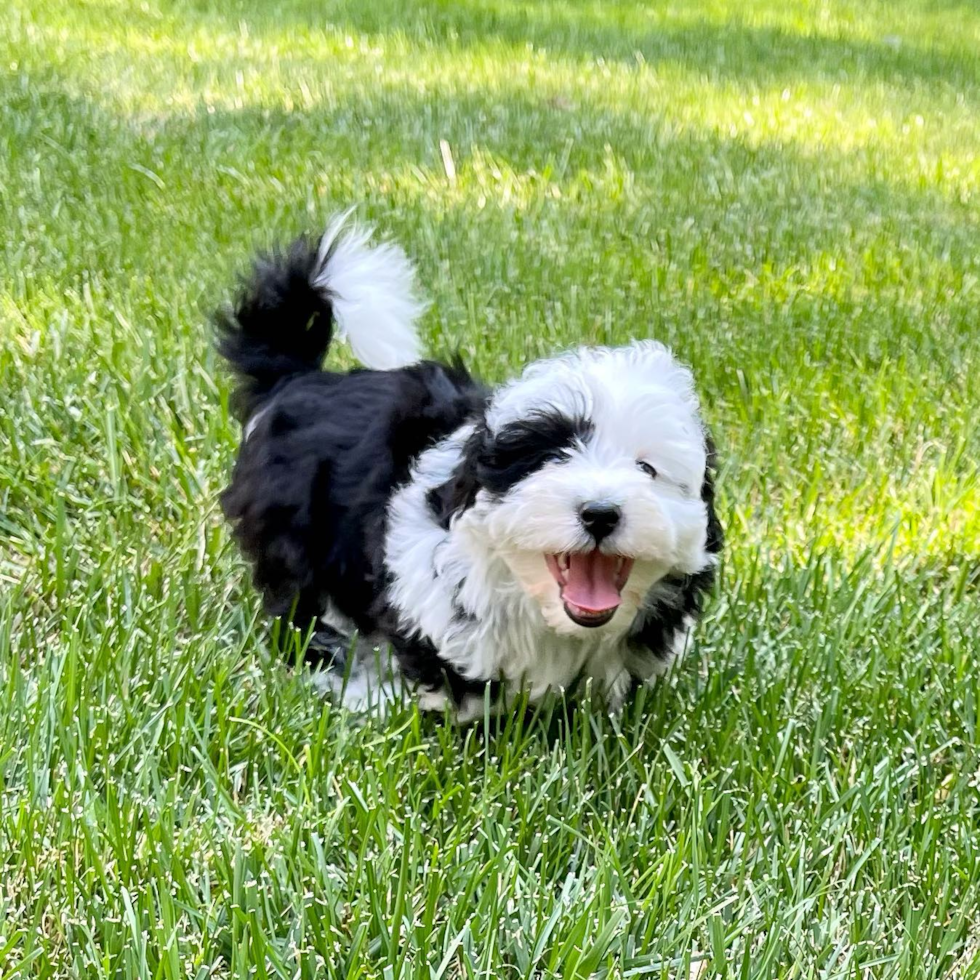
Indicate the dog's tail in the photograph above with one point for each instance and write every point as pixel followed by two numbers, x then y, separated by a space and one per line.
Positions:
pixel 296 299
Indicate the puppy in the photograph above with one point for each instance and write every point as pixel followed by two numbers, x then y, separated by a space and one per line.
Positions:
pixel 557 529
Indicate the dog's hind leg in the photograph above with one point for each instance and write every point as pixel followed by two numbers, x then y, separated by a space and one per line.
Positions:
pixel 362 677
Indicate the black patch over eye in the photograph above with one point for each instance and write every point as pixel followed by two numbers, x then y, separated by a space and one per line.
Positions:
pixel 498 462
pixel 650 471
pixel 520 448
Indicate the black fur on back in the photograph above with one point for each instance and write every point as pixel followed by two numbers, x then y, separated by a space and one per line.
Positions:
pixel 314 477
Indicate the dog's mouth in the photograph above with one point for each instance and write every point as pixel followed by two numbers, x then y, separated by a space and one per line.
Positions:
pixel 590 584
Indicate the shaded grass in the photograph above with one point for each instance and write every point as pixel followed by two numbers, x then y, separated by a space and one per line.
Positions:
pixel 787 195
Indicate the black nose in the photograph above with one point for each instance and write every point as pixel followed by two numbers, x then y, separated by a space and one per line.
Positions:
pixel 600 519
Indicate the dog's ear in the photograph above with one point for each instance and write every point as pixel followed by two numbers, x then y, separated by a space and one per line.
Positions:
pixel 716 533
pixel 671 607
pixel 458 493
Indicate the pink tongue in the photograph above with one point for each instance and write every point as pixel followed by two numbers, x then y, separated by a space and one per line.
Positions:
pixel 590 582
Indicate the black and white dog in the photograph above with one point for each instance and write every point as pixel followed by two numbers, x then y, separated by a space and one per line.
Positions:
pixel 556 529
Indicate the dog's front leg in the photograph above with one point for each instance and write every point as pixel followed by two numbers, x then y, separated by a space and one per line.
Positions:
pixel 611 681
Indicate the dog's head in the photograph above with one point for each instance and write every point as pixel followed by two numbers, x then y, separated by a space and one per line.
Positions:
pixel 589 476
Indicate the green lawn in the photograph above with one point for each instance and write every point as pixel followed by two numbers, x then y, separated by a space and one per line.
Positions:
pixel 789 195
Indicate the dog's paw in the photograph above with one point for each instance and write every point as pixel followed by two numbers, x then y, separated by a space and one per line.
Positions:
pixel 361 678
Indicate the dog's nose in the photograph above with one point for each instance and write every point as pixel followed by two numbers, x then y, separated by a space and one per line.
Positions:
pixel 600 518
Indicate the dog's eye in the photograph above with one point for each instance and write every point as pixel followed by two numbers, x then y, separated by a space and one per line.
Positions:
pixel 647 468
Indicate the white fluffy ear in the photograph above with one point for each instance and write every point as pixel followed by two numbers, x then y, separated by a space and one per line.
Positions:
pixel 373 294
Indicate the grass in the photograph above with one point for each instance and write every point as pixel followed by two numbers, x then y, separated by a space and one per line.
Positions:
pixel 786 193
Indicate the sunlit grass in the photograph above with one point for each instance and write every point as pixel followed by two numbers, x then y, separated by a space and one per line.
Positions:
pixel 785 193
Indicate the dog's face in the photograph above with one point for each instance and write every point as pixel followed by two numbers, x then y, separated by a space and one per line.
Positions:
pixel 588 478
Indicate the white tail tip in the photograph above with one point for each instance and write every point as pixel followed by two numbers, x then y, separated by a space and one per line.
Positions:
pixel 373 293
